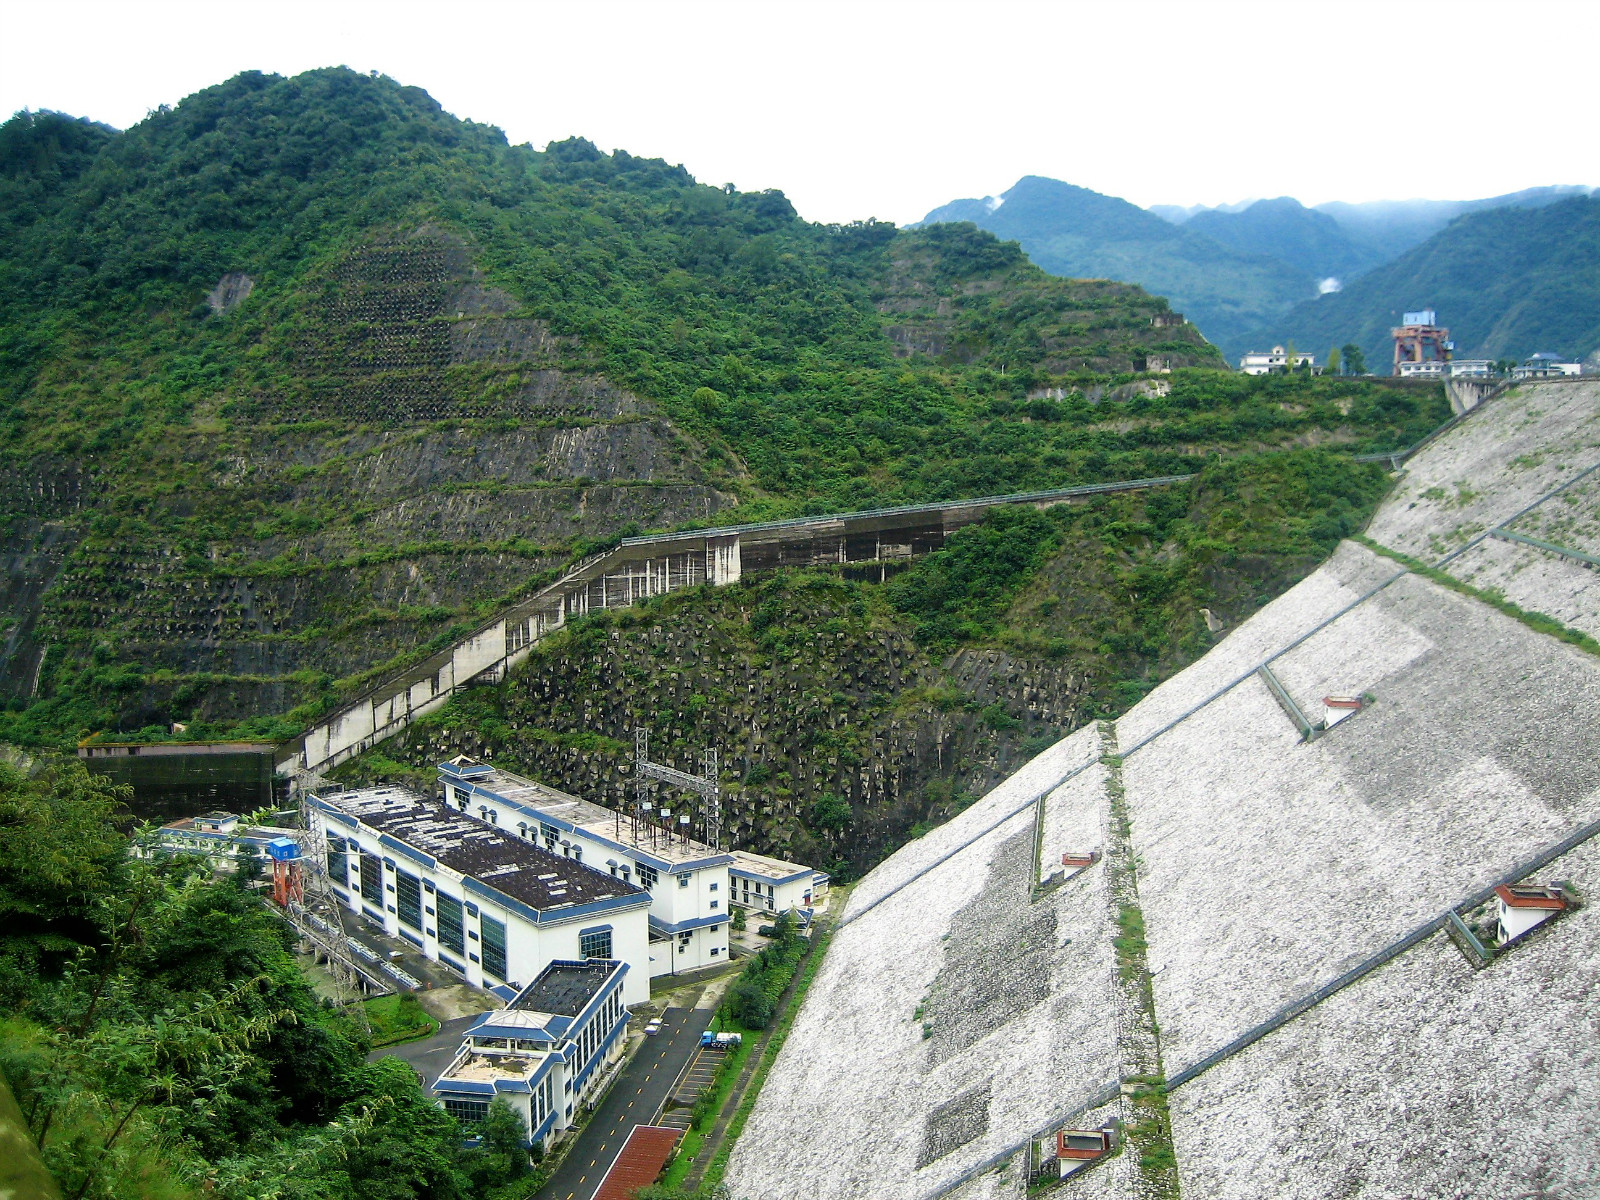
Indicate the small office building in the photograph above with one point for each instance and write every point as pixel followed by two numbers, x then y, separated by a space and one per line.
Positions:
pixel 546 1052
pixel 687 881
pixel 770 885
pixel 493 906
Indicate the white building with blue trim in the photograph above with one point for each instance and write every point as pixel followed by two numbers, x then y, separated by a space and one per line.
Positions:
pixel 688 883
pixel 771 886
pixel 494 906
pixel 546 1052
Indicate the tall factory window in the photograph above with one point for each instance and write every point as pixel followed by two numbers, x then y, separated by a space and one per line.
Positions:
pixel 372 878
pixel 338 862
pixel 408 898
pixel 450 934
pixel 494 947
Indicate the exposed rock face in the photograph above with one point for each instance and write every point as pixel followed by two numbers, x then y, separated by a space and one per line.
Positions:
pixel 813 699
pixel 454 450
pixel 232 290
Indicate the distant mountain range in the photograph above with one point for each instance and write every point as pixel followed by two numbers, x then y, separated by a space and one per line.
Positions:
pixel 1072 231
pixel 1506 281
pixel 1238 271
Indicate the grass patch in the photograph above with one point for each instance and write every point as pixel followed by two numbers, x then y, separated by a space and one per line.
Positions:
pixel 1535 621
pixel 398 1019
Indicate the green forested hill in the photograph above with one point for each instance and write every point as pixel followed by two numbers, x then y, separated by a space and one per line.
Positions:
pixel 1309 241
pixel 1507 282
pixel 302 374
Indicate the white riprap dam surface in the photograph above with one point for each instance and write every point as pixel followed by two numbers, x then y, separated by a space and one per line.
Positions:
pixel 961 1010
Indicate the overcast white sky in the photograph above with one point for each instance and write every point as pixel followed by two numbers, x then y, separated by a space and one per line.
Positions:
pixel 889 109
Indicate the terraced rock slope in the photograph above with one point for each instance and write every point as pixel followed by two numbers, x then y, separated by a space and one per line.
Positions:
pixel 1264 932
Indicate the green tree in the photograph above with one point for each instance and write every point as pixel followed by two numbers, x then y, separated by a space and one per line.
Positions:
pixel 58 851
pixel 1333 363
pixel 501 1155
pixel 174 1040
pixel 1355 363
pixel 831 813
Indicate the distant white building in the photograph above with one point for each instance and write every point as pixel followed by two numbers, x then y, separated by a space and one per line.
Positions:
pixel 494 906
pixel 219 837
pixel 545 1052
pixel 1545 366
pixel 1275 361
pixel 1447 368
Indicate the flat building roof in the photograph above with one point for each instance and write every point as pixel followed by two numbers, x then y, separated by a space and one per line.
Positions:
pixel 518 867
pixel 603 824
pixel 564 988
pixel 746 862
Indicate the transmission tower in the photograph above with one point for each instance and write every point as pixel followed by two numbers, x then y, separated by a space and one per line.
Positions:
pixel 319 899
pixel 704 783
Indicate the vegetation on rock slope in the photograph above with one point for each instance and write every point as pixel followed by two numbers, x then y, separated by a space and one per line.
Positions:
pixel 849 714
pixel 303 375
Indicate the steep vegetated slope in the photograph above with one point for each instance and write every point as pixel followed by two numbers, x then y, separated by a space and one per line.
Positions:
pixel 304 370
pixel 1507 282
pixel 304 374
pixel 903 700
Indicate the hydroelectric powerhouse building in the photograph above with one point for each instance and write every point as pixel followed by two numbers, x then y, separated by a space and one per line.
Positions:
pixel 686 882
pixel 494 906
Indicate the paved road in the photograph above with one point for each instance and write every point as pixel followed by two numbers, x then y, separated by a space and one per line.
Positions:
pixel 633 1100
pixel 430 1055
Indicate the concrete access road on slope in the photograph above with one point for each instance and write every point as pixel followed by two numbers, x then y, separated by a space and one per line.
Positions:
pixel 634 1099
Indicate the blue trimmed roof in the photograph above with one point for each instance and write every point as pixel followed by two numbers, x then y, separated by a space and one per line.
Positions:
pixel 467 1086
pixel 507 870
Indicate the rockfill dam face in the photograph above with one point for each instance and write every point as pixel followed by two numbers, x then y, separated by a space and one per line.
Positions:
pixel 1254 988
